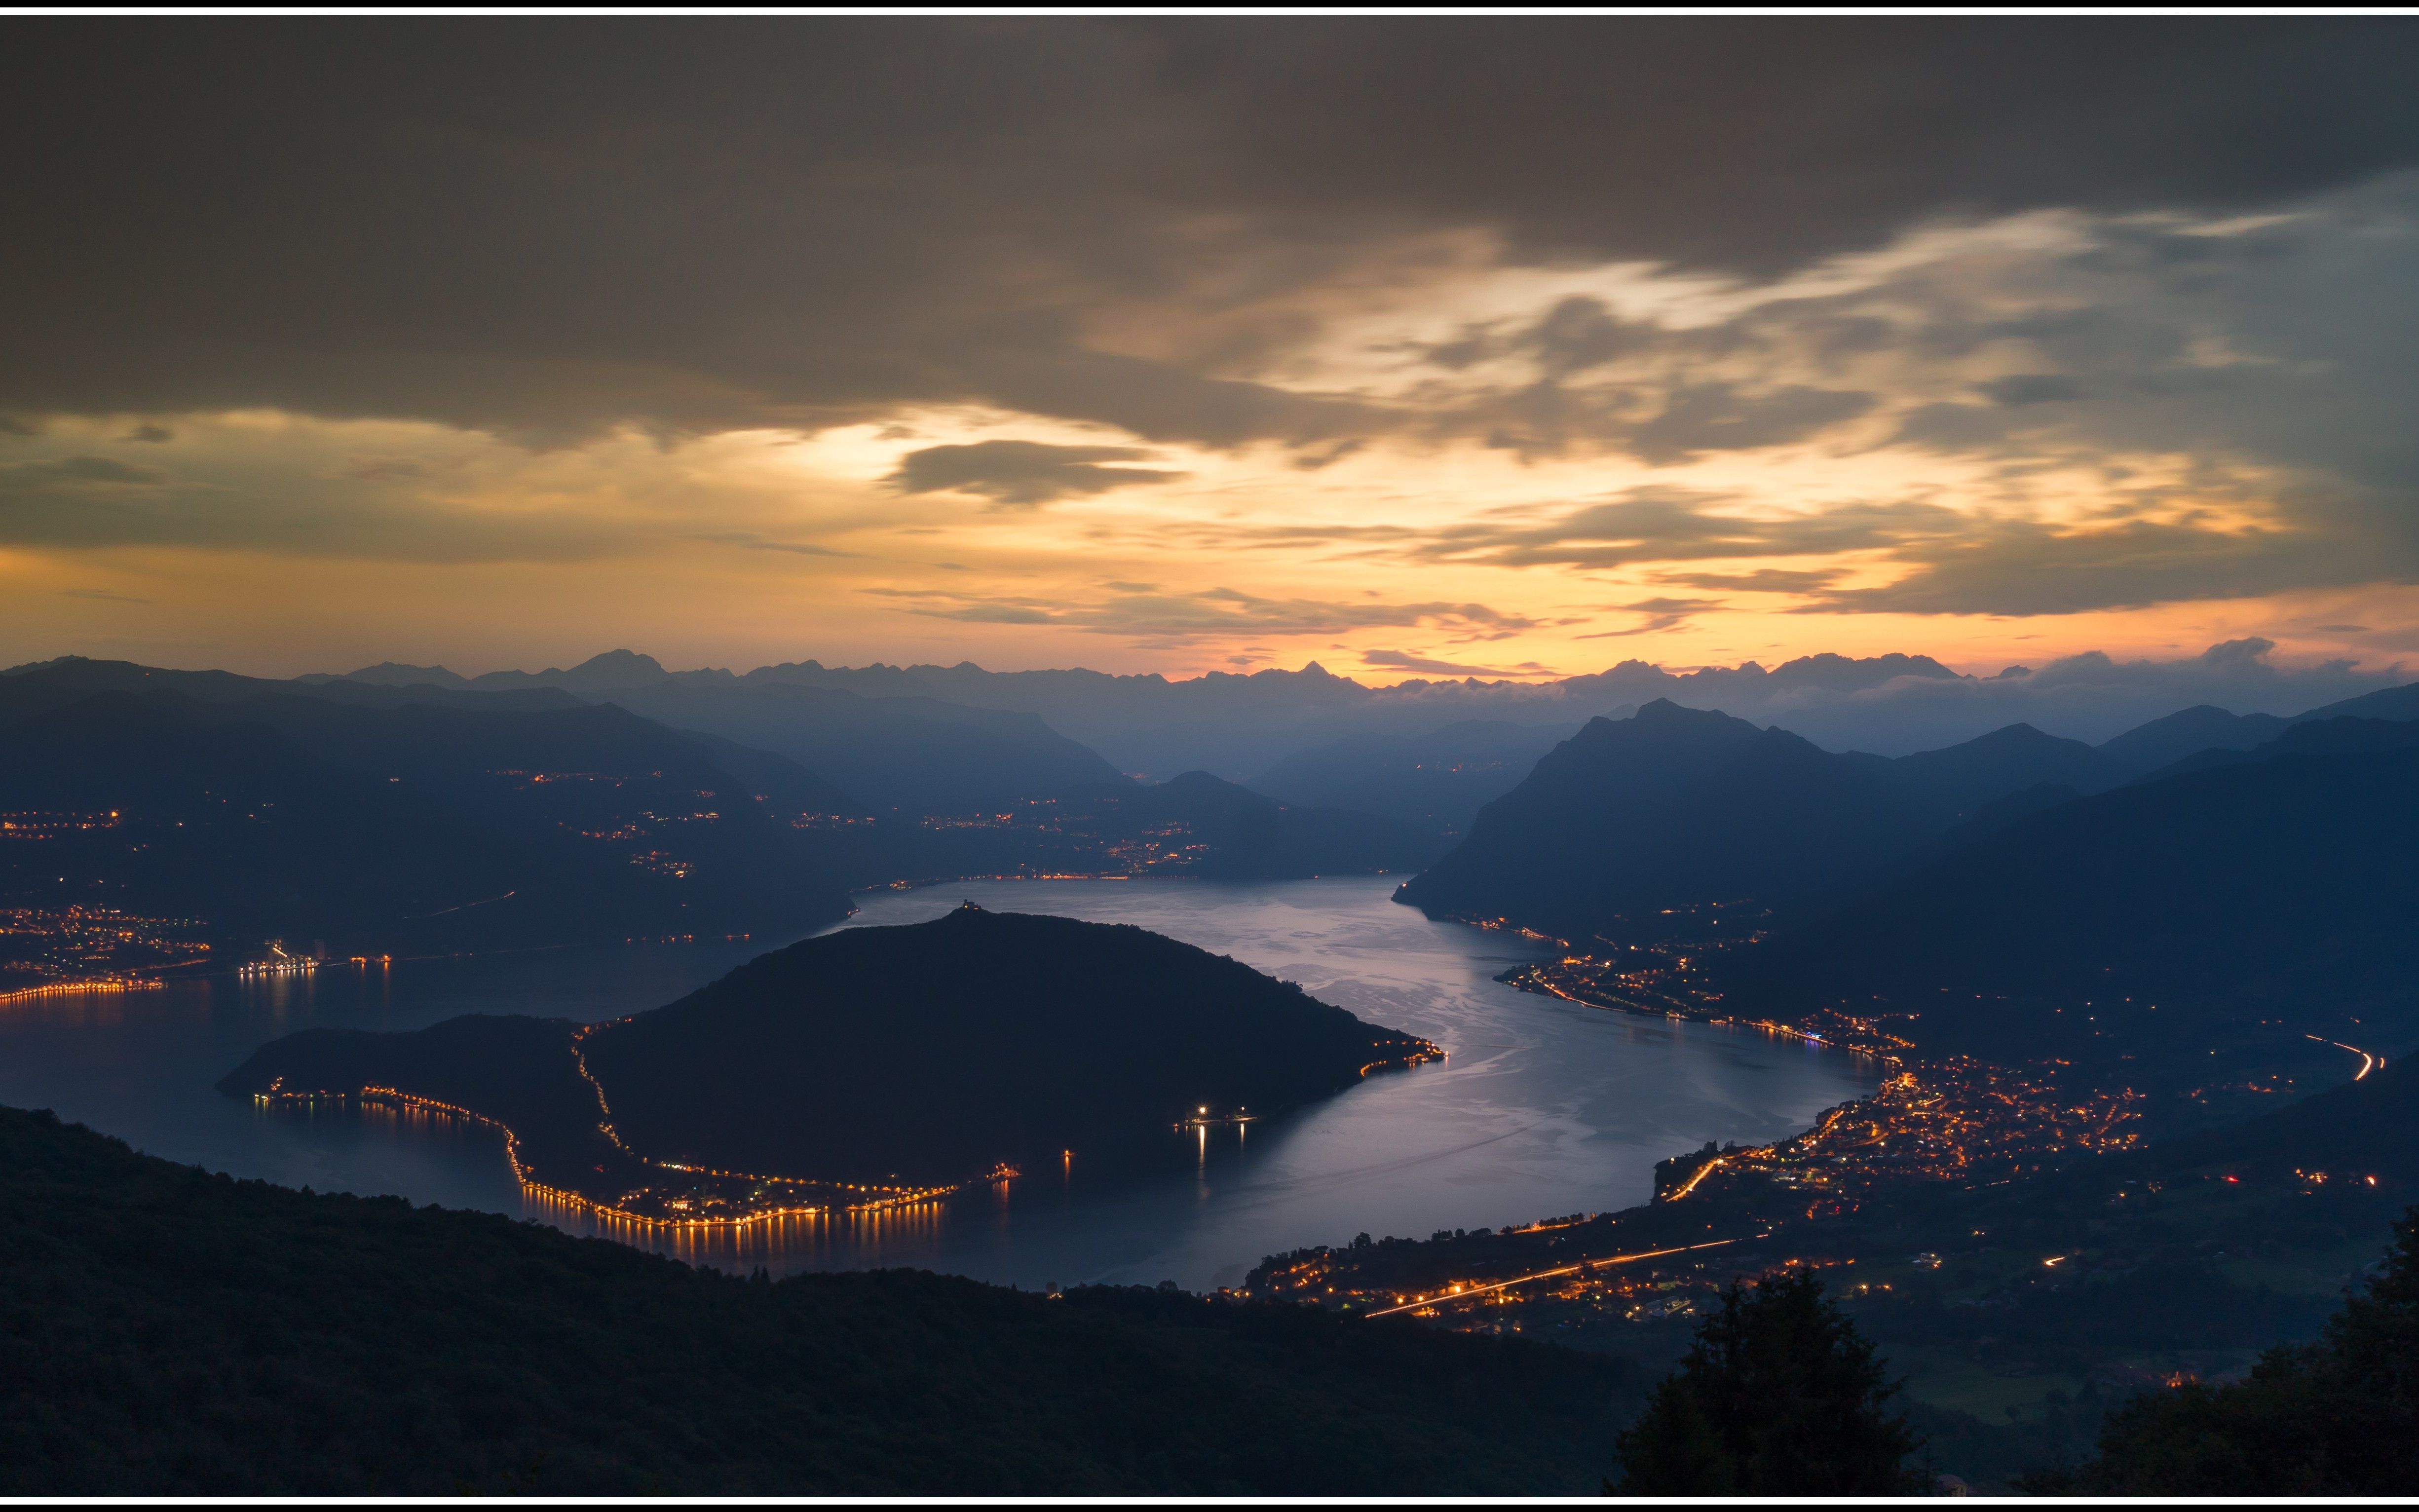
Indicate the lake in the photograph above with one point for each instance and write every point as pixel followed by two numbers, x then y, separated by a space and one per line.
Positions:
pixel 1541 1109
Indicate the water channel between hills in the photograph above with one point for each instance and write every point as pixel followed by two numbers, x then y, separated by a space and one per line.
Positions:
pixel 1543 1107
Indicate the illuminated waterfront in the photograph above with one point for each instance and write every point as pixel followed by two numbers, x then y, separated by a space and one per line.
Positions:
pixel 1540 1106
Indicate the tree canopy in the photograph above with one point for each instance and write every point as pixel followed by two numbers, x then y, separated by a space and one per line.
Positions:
pixel 1778 1395
pixel 2338 1417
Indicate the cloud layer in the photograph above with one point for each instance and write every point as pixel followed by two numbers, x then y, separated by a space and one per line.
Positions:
pixel 749 220
pixel 1023 472
pixel 1396 337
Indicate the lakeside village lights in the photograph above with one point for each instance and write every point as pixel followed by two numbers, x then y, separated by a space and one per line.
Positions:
pixel 882 1198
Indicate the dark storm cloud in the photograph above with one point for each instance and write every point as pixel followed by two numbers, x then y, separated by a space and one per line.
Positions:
pixel 1717 417
pixel 547 226
pixel 1023 472
pixel 2025 569
pixel 2032 388
pixel 1752 144
pixel 1579 333
pixel 1954 562
pixel 101 501
pixel 70 473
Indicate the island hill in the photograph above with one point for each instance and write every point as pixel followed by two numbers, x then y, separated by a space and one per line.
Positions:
pixel 866 1066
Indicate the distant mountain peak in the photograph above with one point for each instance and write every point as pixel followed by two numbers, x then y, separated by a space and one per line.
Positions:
pixel 1665 712
pixel 404 674
pixel 619 660
pixel 1830 664
pixel 2019 733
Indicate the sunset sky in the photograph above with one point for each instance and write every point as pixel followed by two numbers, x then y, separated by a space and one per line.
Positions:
pixel 1413 347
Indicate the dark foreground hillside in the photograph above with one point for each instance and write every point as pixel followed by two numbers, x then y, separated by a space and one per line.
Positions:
pixel 162 1329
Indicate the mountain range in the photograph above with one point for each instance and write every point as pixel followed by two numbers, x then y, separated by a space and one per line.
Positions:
pixel 1628 828
pixel 902 751
pixel 2205 921
pixel 1630 824
pixel 1239 725
pixel 389 828
pixel 381 818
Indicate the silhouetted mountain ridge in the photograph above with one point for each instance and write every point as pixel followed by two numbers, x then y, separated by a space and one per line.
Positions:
pixel 1239 724
pixel 2216 914
pixel 407 828
pixel 895 748
pixel 1630 825
pixel 2186 733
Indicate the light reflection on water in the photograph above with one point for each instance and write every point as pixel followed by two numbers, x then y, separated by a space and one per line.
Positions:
pixel 141 1064
pixel 1543 1107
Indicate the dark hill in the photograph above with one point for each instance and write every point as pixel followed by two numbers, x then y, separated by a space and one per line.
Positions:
pixel 2341 734
pixel 2369 1126
pixel 39 687
pixel 523 1073
pixel 2186 733
pixel 916 754
pixel 604 672
pixel 2251 903
pixel 2337 735
pixel 926 1052
pixel 1630 829
pixel 167 1332
pixel 2189 733
pixel 933 1049
pixel 790 790
pixel 2396 704
pixel 1576 844
pixel 1962 777
pixel 411 827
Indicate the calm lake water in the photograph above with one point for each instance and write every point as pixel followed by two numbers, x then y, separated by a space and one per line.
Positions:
pixel 1541 1107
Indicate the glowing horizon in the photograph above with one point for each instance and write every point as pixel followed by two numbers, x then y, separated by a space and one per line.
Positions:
pixel 1102 412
